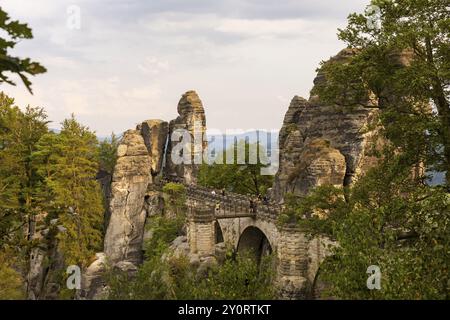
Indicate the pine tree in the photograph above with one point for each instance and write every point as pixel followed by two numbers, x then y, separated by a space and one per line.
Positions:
pixel 69 163
pixel 108 153
pixel 19 133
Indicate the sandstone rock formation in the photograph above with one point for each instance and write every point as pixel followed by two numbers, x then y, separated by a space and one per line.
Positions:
pixel 142 156
pixel 323 144
pixel 155 133
pixel 46 261
pixel 123 239
pixel 92 282
pixel 192 119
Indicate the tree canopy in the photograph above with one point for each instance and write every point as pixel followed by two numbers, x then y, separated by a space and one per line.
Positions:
pixel 404 62
pixel 390 217
pixel 240 178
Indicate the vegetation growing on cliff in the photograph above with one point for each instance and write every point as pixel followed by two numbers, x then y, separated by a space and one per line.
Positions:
pixel 68 163
pixel 388 219
pixel 391 217
pixel 43 173
pixel 403 58
pixel 108 153
pixel 174 198
pixel 164 275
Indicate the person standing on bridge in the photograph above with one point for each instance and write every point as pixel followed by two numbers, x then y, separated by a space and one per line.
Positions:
pixel 252 206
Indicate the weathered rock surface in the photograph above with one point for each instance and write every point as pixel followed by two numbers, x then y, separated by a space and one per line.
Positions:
pixel 123 239
pixel 155 133
pixel 104 179
pixel 92 283
pixel 192 119
pixel 322 144
pixel 320 165
pixel 46 259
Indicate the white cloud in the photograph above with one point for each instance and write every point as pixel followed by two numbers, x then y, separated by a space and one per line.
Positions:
pixel 294 27
pixel 147 93
pixel 132 59
pixel 153 65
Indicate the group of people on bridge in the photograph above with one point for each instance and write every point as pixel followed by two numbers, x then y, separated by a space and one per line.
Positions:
pixel 224 200
pixel 253 200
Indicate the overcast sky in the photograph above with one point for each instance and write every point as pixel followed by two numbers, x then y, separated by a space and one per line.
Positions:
pixel 131 60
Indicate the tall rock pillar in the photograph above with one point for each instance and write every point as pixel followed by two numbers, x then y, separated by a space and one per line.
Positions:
pixel 123 239
pixel 191 124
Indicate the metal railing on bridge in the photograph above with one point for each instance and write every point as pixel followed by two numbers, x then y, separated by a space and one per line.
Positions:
pixel 228 205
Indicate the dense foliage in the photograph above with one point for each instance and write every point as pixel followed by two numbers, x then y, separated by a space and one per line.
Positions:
pixel 49 175
pixel 174 198
pixel 403 59
pixel 390 217
pixel 68 163
pixel 386 219
pixel 164 275
pixel 240 178
pixel 11 282
pixel 20 184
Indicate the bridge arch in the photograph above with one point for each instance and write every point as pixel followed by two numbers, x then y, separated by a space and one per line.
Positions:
pixel 255 241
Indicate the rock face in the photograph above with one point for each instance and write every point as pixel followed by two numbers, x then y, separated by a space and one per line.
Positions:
pixel 142 157
pixel 92 283
pixel 322 144
pixel 123 239
pixel 155 133
pixel 192 121
pixel 46 261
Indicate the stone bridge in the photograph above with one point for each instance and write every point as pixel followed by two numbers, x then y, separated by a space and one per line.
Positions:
pixel 229 218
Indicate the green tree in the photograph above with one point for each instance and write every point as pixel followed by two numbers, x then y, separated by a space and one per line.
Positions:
pixel 164 230
pixel 11 282
pixel 173 278
pixel 418 29
pixel 175 197
pixel 389 219
pixel 19 133
pixel 108 153
pixel 239 178
pixel 164 275
pixel 10 218
pixel 15 32
pixel 239 278
pixel 69 162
